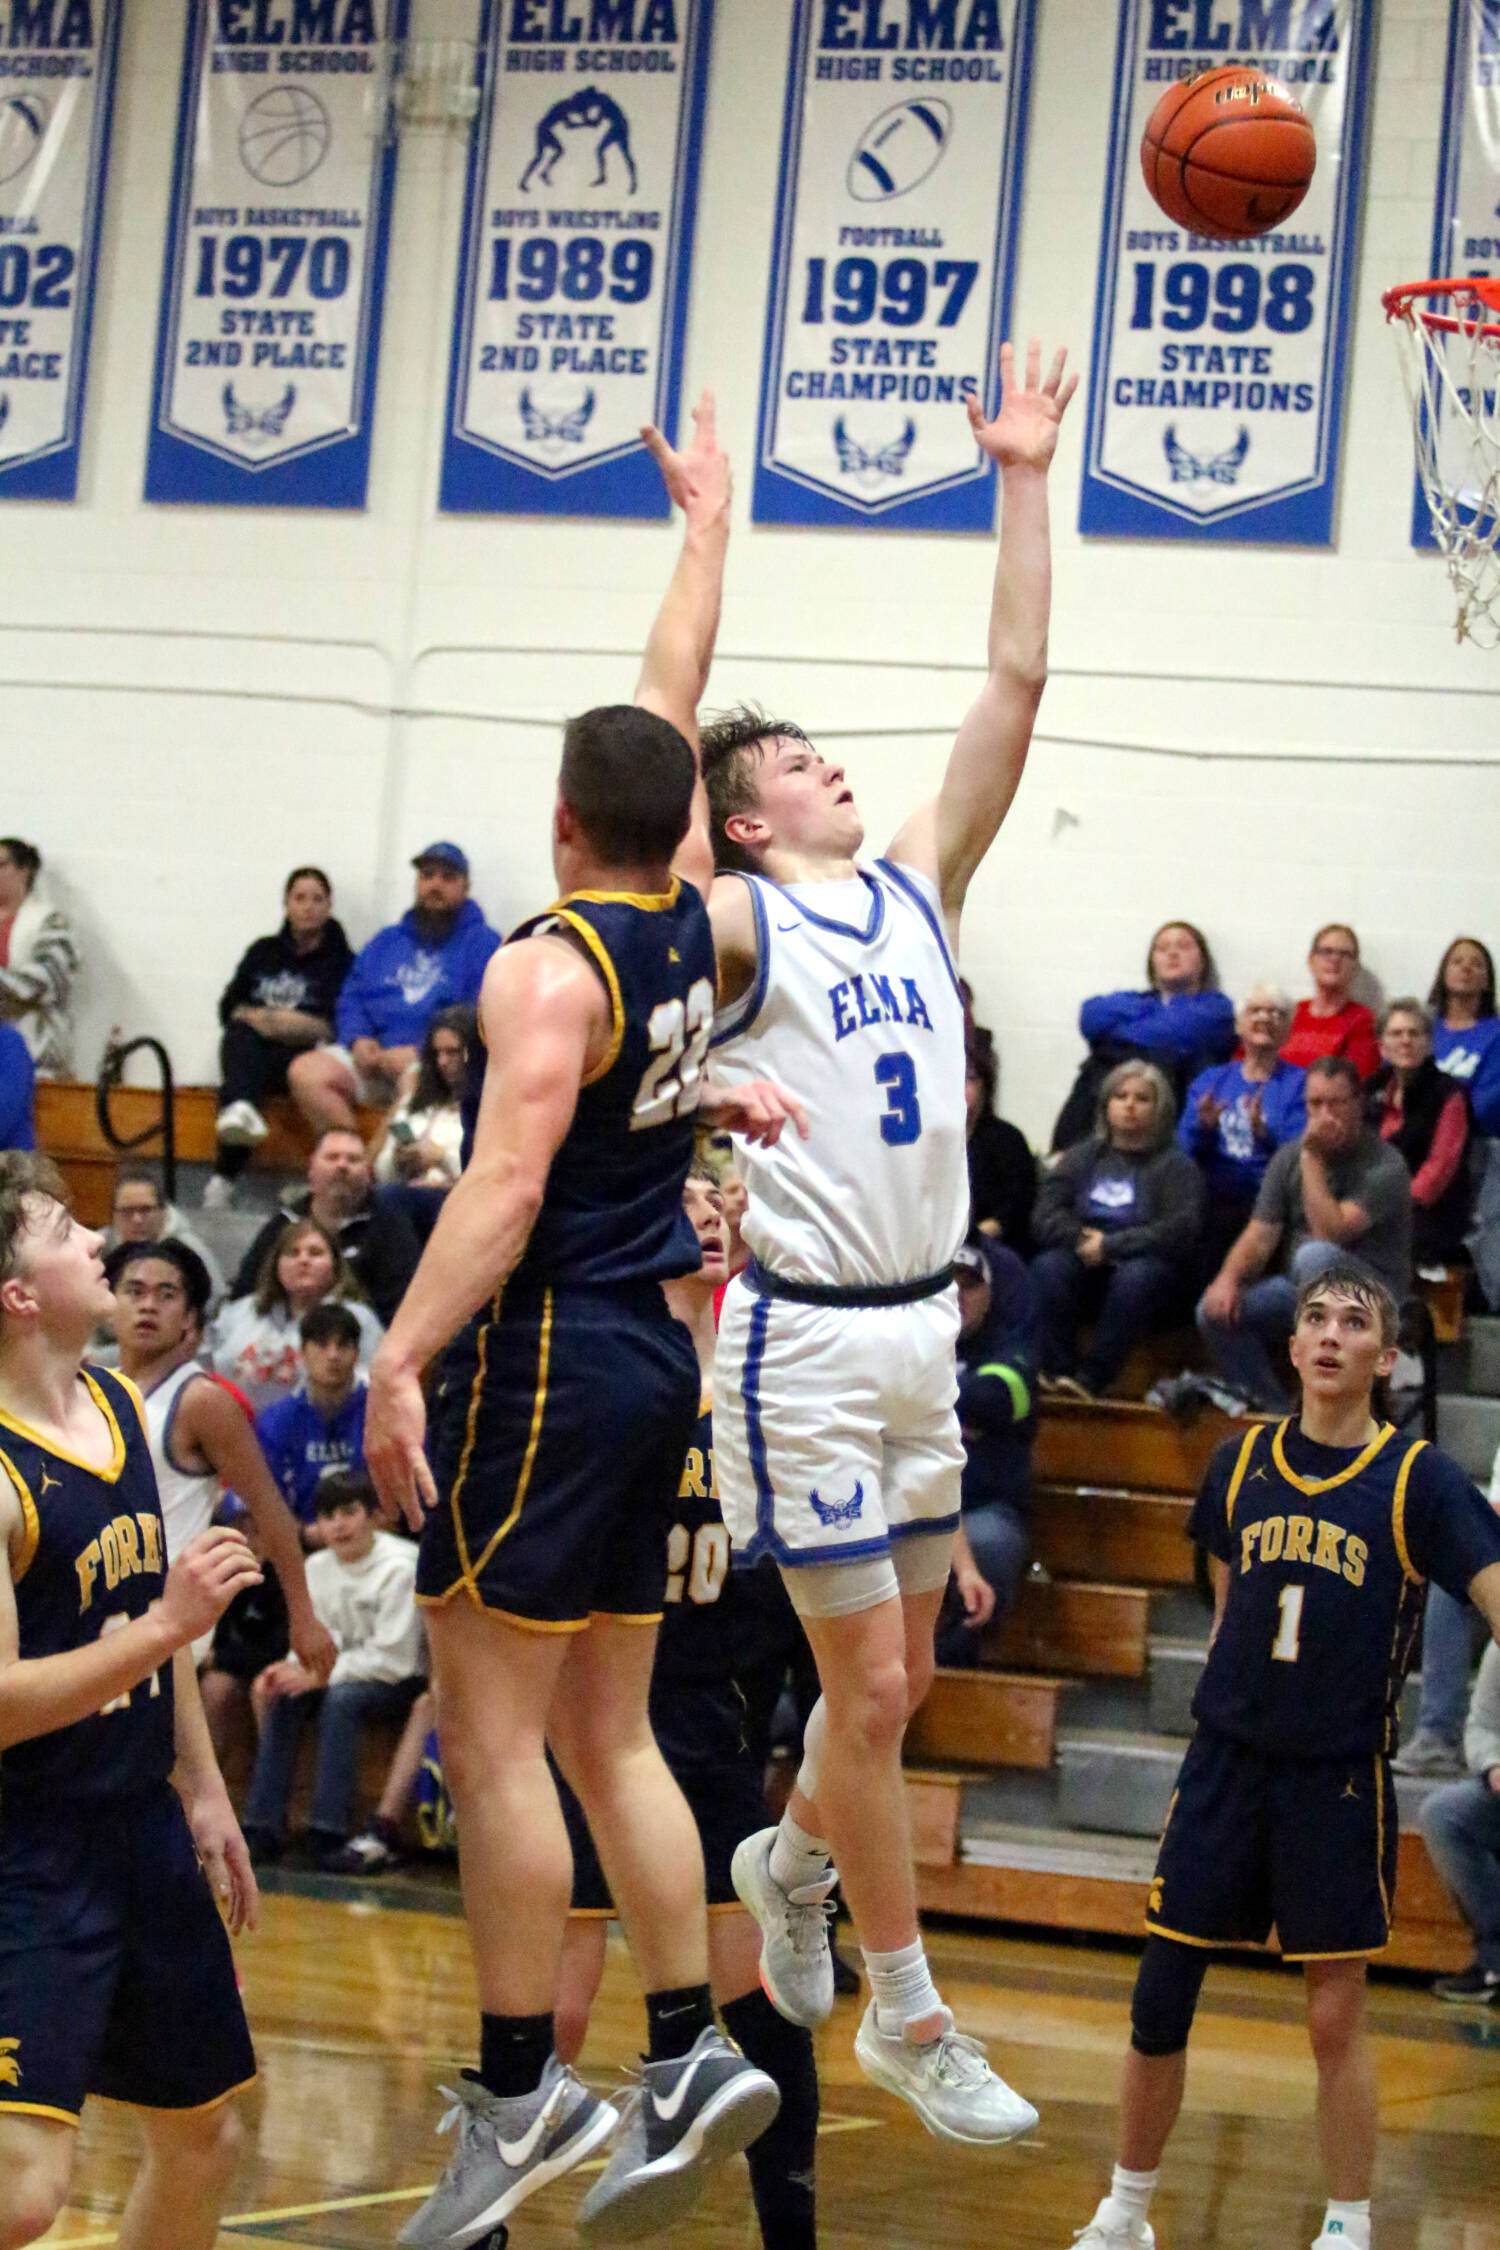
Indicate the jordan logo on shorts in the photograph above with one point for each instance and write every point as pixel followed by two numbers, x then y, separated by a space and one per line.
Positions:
pixel 839 1511
pixel 10 2062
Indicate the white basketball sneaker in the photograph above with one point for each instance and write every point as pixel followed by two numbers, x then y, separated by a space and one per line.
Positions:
pixel 1112 2229
pixel 947 2080
pixel 796 1966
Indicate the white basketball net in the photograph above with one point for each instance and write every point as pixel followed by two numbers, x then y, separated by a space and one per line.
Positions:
pixel 1448 336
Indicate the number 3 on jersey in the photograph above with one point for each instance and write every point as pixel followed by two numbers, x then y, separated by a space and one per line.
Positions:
pixel 902 1122
pixel 679 1034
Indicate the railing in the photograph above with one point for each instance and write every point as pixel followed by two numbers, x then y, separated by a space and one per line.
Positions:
pixel 163 1127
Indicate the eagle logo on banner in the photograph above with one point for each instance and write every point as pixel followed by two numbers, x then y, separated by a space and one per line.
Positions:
pixel 258 421
pixel 872 468
pixel 1219 468
pixel 561 429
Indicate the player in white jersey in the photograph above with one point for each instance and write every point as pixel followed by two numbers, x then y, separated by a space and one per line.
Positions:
pixel 838 1446
pixel 199 1435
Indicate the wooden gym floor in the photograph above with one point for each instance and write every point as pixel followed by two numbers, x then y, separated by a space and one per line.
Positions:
pixel 359 2009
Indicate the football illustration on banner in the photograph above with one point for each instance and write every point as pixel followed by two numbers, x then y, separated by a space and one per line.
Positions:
pixel 23 123
pixel 899 149
pixel 1230 154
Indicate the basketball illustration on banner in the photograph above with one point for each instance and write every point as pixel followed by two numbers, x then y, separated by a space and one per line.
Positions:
pixel 285 134
pixel 23 124
pixel 1229 154
pixel 899 149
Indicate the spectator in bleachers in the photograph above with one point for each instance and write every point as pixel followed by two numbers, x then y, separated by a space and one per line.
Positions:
pixel 434 957
pixel 1181 1022
pixel 1423 1114
pixel 375 1236
pixel 1466 1029
pixel 1237 1114
pixel 251 1634
pixel 1461 1826
pixel 363 1586
pixel 1341 1188
pixel 1002 1169
pixel 38 960
pixel 280 1000
pixel 997 1354
pixel 419 1154
pixel 139 1212
pixel 1117 1225
pixel 17 1091
pixel 320 1426
pixel 1331 1023
pixel 377 1847
pixel 254 1341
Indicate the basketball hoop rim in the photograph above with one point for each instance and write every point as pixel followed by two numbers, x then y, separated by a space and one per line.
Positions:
pixel 1402 303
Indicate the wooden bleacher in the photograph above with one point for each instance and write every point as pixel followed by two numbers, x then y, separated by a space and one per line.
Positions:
pixel 1114 1491
pixel 67 1127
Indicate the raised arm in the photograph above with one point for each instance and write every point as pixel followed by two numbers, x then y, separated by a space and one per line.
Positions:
pixel 680 650
pixel 545 1019
pixel 947 839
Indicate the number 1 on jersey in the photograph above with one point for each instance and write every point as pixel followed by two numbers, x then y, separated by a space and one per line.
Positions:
pixel 1287 1646
pixel 902 1122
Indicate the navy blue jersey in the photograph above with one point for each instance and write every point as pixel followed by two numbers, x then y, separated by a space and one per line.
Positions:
pixel 91 1557
pixel 613 1205
pixel 695 1644
pixel 1329 1550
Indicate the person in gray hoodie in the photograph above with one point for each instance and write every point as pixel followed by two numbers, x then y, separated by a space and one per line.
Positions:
pixel 1117 1221
pixel 1461 1825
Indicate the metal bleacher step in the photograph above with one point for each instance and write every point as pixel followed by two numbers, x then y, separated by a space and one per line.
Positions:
pixel 1116 1781
pixel 1469 1429
pixel 1176 1667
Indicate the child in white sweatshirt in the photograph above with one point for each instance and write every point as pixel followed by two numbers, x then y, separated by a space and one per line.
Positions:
pixel 362 1587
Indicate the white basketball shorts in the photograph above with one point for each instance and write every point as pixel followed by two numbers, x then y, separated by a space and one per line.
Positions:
pixel 835 1431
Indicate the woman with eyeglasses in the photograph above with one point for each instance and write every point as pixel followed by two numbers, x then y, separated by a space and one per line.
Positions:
pixel 1331 1023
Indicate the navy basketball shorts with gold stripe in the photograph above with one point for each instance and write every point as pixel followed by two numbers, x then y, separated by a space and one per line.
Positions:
pixel 699 1727
pixel 116 1975
pixel 557 1443
pixel 1254 1842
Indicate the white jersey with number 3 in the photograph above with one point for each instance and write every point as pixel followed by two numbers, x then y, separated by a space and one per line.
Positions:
pixel 855 1009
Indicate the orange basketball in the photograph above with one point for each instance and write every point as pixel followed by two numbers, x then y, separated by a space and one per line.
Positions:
pixel 1230 153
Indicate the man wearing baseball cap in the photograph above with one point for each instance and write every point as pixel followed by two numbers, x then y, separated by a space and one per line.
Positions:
pixel 434 957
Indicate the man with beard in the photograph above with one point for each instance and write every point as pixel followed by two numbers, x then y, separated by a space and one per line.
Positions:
pixel 374 1232
pixel 434 957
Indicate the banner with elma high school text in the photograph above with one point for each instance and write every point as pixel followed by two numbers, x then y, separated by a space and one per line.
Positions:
pixel 577 244
pixel 275 270
pixel 1466 225
pixel 1217 400
pixel 901 160
pixel 57 74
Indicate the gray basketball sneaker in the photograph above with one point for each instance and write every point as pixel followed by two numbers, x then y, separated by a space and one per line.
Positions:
pixel 506 2150
pixel 947 2080
pixel 796 1963
pixel 684 2117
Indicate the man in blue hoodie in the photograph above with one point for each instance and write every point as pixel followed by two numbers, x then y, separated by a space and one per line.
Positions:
pixel 434 957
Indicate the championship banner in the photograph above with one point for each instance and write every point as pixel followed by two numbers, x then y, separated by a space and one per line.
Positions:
pixel 57 76
pixel 1217 395
pixel 577 243
pixel 1466 225
pixel 891 275
pixel 275 272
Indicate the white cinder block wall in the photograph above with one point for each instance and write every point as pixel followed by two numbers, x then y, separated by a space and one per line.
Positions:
pixel 172 777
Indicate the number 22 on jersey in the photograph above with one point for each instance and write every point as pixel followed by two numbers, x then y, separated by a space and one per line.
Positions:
pixel 679 1034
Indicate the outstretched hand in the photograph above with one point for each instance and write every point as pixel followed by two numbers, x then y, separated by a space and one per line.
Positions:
pixel 757 1111
pixel 698 477
pixel 1024 432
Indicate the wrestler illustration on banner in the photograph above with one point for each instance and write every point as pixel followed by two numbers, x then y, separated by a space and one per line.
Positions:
pixel 587 111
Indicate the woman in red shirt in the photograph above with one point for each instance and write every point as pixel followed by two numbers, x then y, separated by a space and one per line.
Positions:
pixel 1330 1023
pixel 1424 1115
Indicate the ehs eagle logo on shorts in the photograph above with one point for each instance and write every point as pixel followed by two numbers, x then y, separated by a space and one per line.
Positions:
pixel 839 1511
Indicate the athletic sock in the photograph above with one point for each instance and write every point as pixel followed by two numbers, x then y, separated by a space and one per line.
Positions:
pixel 902 1986
pixel 675 2019
pixel 1350 2219
pixel 513 2053
pixel 799 1862
pixel 782 2160
pixel 1130 2193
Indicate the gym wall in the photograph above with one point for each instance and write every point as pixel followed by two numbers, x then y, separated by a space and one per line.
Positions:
pixel 1257 740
